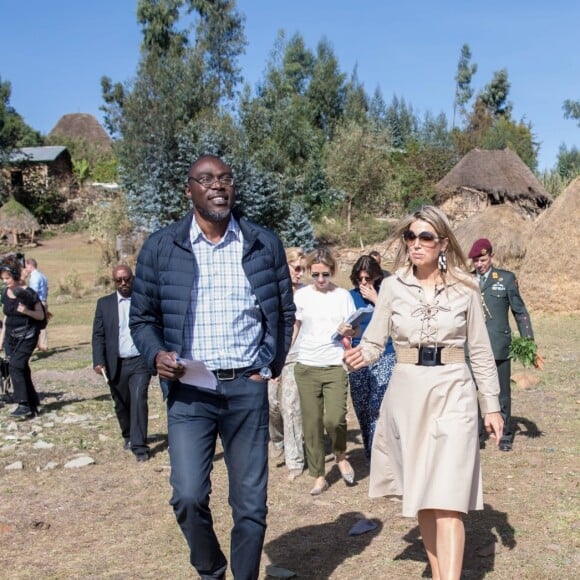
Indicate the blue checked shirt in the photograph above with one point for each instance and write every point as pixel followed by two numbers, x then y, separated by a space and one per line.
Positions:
pixel 223 326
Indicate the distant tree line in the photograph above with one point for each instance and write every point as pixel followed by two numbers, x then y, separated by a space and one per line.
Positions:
pixel 308 142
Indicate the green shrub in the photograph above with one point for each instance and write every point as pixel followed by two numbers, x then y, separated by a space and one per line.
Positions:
pixel 71 285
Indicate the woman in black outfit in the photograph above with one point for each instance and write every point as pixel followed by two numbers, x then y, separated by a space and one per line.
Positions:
pixel 23 315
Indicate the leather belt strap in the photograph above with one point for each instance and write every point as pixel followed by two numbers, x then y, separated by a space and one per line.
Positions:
pixel 410 355
pixel 230 374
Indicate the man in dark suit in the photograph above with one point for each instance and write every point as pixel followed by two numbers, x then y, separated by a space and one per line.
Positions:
pixel 500 294
pixel 118 360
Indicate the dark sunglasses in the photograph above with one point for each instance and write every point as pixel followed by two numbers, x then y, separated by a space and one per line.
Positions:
pixel 318 274
pixel 365 279
pixel 297 269
pixel 425 237
pixel 122 279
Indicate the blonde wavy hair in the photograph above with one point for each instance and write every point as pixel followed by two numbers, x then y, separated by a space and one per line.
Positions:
pixel 457 268
pixel 293 254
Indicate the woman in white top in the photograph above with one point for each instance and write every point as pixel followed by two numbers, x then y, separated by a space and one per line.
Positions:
pixel 320 374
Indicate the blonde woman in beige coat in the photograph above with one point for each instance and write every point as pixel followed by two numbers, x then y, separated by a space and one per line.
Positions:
pixel 426 446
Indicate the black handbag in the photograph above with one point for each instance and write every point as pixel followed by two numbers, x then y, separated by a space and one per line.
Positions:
pixel 23 332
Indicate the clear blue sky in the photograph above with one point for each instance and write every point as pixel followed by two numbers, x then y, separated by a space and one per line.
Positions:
pixel 54 53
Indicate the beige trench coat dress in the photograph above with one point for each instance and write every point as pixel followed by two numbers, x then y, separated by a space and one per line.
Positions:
pixel 426 446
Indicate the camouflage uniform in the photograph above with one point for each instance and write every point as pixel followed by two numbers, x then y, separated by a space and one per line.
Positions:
pixel 286 416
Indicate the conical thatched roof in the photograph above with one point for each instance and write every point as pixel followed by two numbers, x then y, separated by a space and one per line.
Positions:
pixel 82 126
pixel 501 176
pixel 548 277
pixel 506 229
pixel 15 219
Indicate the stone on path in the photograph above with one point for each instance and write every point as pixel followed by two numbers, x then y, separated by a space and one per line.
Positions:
pixel 17 465
pixel 81 461
pixel 43 445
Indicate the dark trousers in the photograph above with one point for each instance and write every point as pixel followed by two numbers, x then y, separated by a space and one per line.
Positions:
pixel 504 368
pixel 238 413
pixel 19 351
pixel 129 389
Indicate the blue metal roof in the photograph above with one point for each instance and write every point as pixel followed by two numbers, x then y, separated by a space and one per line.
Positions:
pixel 37 154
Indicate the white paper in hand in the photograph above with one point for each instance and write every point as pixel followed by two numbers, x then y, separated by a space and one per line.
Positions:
pixel 197 374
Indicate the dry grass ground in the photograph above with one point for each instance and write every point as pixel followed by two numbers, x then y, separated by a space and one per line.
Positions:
pixel 112 519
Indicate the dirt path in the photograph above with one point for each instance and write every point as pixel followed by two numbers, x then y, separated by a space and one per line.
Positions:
pixel 111 519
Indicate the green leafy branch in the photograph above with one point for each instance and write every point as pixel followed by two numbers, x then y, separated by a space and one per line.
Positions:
pixel 523 350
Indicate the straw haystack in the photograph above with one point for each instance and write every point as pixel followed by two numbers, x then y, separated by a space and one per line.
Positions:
pixel 486 178
pixel 548 279
pixel 82 127
pixel 15 220
pixel 506 229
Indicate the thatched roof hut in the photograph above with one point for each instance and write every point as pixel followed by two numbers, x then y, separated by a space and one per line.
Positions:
pixel 486 178
pixel 15 219
pixel 548 279
pixel 82 127
pixel 507 230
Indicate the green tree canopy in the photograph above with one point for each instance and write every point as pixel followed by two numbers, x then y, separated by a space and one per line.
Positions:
pixel 357 165
pixel 463 76
pixel 495 95
pixel 14 132
pixel 568 162
pixel 188 67
pixel 572 110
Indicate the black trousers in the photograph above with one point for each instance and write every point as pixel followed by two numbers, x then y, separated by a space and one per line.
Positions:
pixel 19 351
pixel 504 368
pixel 129 389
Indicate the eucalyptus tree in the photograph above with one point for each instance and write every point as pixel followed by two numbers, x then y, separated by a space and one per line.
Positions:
pixel 357 165
pixel 568 162
pixel 326 92
pixel 356 102
pixel 519 137
pixel 277 118
pixel 188 69
pixel 463 76
pixel 572 110
pixel 490 124
pixel 402 122
pixel 495 95
pixel 377 112
pixel 14 133
pixel 293 113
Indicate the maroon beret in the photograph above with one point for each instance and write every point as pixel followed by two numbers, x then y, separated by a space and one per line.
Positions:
pixel 481 247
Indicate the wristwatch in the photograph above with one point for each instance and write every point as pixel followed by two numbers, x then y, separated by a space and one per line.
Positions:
pixel 265 373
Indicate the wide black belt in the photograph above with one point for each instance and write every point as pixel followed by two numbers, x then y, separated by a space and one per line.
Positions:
pixel 230 374
pixel 429 356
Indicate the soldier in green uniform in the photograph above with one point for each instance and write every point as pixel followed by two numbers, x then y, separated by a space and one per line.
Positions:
pixel 500 294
